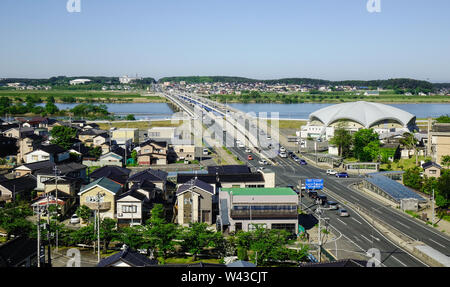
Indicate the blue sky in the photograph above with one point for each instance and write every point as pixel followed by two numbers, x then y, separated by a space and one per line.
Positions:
pixel 327 39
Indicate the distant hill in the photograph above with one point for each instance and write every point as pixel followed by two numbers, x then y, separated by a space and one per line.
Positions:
pixel 386 84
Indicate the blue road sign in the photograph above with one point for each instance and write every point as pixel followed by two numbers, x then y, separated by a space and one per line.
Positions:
pixel 314 184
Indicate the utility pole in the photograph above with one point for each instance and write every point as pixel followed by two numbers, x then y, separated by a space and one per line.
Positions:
pixel 432 208
pixel 320 235
pixel 56 195
pixel 49 259
pixel 38 236
pixel 98 226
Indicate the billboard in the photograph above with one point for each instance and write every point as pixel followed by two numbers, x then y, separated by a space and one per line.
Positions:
pixel 314 184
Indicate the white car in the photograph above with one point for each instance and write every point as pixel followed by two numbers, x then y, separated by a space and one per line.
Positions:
pixel 74 219
pixel 247 150
pixel 343 213
pixel 262 161
pixel 283 154
pixel 282 149
pixel 331 172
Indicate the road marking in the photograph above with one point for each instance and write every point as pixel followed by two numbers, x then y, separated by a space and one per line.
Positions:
pixel 379 211
pixel 341 221
pixel 357 239
pixel 399 261
pixel 354 198
pixel 377 239
pixel 437 243
pixel 403 224
pixel 366 238
pixel 356 220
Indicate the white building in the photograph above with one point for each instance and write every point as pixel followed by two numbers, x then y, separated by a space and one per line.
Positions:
pixel 79 81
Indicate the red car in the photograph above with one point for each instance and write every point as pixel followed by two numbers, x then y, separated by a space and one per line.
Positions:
pixel 250 157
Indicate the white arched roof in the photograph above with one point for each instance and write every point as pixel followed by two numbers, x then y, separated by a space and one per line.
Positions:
pixel 365 113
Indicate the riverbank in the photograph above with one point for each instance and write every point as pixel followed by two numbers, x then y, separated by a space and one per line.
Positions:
pixel 68 96
pixel 331 98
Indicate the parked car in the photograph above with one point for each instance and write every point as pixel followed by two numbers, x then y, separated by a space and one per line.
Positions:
pixel 331 172
pixel 342 174
pixel 313 194
pixel 247 150
pixel 283 154
pixel 296 159
pixel 343 213
pixel 282 149
pixel 303 162
pixel 333 205
pixel 74 219
pixel 250 157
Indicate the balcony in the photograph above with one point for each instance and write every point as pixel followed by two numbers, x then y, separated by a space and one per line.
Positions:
pixel 102 206
pixel 264 214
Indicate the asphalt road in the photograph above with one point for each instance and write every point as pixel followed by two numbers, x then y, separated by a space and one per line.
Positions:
pixel 355 229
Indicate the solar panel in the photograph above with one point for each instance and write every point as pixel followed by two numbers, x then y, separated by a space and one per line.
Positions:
pixel 394 189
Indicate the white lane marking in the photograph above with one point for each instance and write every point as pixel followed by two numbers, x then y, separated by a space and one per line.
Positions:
pixel 357 239
pixel 376 238
pixel 366 238
pixel 379 211
pixel 356 220
pixel 341 221
pixel 399 261
pixel 354 198
pixel 403 224
pixel 437 243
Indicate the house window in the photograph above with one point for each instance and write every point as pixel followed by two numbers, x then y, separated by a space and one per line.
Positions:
pixel 129 208
pixel 34 157
pixel 432 171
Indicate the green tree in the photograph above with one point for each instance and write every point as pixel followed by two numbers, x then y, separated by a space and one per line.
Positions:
pixel 63 136
pixel 95 151
pixel 372 150
pixel 13 219
pixel 108 231
pixel 445 160
pixel 197 237
pixel 443 186
pixel 130 118
pixel 160 233
pixel 361 139
pixel 428 184
pixel 84 235
pixel 133 236
pixel 342 139
pixel 412 178
pixel 84 213
pixel 409 141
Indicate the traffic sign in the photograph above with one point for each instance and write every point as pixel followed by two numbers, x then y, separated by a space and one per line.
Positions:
pixel 314 184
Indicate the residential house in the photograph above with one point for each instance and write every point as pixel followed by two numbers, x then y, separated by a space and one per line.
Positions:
pixel 8 146
pixel 151 177
pixel 99 140
pixel 184 151
pixel 132 207
pixel 195 202
pixel 127 258
pixel 52 152
pixel 440 142
pixel 22 186
pixel 19 252
pixel 28 144
pixel 87 136
pixel 126 134
pixel 101 195
pixel 115 173
pixel 432 169
pixel 161 133
pixel 18 132
pixel 32 168
pixel 152 153
pixel 273 208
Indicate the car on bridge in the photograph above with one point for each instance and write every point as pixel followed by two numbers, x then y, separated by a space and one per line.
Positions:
pixel 342 174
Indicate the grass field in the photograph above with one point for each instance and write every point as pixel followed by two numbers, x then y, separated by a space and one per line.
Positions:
pixel 288 124
pixel 404 164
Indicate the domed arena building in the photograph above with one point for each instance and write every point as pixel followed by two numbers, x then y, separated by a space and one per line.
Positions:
pixel 383 119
